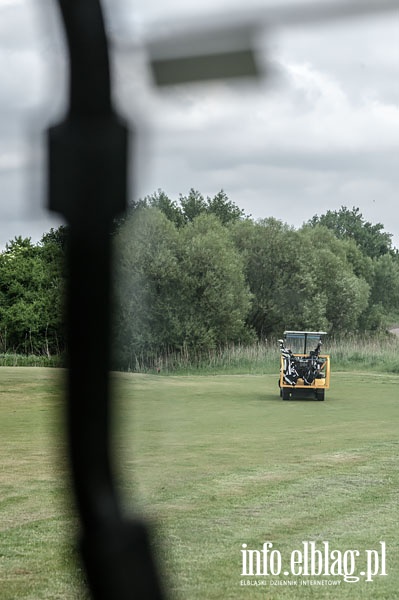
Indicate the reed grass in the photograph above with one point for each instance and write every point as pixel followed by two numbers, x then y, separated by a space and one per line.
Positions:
pixel 10 359
pixel 375 353
pixel 352 352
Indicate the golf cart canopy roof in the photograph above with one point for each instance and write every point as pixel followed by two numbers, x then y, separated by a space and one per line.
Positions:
pixel 305 333
pixel 299 341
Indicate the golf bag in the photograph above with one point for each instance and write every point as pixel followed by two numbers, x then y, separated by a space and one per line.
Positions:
pixel 306 368
pixel 289 365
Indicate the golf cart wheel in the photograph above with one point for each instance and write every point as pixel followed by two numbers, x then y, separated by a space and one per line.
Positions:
pixel 320 394
pixel 285 393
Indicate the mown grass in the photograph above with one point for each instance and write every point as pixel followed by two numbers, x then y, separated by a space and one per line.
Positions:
pixel 37 550
pixel 221 461
pixel 213 462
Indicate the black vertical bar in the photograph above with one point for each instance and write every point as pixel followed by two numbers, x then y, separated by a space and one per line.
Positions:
pixel 87 184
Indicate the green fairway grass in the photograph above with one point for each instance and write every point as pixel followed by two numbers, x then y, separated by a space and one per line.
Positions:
pixel 214 462
pixel 221 461
pixel 37 557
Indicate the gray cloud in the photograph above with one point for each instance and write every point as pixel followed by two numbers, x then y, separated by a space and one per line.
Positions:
pixel 320 131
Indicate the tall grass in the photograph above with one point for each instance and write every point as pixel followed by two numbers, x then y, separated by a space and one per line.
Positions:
pixel 232 358
pixel 10 359
pixel 375 353
pixel 353 352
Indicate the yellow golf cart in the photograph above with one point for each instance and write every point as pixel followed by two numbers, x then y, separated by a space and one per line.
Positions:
pixel 304 372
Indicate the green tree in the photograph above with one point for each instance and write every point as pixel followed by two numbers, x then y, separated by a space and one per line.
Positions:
pixel 52 253
pixel 30 298
pixel 224 209
pixel 384 293
pixel 215 296
pixel 385 287
pixel 146 273
pixel 192 205
pixel 345 223
pixel 331 264
pixel 176 287
pixel 172 211
pixel 285 292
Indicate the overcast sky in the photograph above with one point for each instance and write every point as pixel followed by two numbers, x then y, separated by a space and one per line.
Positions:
pixel 320 130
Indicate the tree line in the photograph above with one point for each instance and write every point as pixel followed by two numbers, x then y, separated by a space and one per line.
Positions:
pixel 198 273
pixel 32 283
